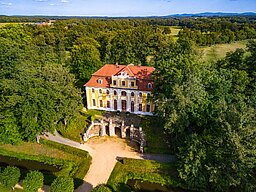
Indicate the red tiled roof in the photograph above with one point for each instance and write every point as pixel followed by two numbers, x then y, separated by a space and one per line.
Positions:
pixel 141 73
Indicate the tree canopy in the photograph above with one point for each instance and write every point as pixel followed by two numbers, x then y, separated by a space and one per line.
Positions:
pixel 209 113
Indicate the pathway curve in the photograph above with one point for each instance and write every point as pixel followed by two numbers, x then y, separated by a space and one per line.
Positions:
pixel 104 152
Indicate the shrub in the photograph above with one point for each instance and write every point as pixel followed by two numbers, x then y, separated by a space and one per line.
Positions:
pixel 101 188
pixel 9 177
pixel 33 181
pixel 61 184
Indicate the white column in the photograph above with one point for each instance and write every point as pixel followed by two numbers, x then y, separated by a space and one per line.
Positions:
pixel 119 107
pixel 111 93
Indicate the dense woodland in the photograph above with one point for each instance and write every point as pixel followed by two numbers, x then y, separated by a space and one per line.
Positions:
pixel 207 108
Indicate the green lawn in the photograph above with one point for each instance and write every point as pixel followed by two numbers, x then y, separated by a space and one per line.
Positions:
pixel 175 31
pixel 219 51
pixel 78 124
pixel 144 170
pixel 157 140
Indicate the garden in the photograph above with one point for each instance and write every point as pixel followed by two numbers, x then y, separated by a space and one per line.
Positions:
pixel 144 175
pixel 52 159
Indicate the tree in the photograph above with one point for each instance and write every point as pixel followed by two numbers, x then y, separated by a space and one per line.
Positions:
pixel 39 98
pixel 211 120
pixel 61 184
pixel 101 188
pixel 85 60
pixel 9 177
pixel 33 181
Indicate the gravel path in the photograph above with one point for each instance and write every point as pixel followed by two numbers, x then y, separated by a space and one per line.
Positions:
pixel 104 151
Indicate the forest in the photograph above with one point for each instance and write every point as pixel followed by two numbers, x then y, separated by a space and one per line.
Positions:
pixel 207 108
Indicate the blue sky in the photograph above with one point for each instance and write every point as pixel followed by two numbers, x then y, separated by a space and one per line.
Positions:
pixel 122 7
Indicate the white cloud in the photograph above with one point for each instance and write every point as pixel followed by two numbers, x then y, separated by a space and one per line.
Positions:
pixel 6 4
pixel 64 1
pixel 52 4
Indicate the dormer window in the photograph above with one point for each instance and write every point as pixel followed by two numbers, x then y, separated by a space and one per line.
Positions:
pixel 99 81
pixel 149 85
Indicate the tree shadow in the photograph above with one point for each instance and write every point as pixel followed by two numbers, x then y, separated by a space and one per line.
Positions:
pixel 85 187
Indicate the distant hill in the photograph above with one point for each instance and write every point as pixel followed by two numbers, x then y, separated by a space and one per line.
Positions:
pixel 212 14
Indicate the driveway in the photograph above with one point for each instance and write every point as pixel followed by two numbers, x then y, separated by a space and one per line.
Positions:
pixel 104 151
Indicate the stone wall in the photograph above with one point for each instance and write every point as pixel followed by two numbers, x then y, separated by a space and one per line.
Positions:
pixel 109 129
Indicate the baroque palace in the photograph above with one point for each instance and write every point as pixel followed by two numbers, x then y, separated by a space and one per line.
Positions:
pixel 125 88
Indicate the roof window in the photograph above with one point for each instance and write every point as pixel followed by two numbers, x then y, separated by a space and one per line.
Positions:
pixel 99 81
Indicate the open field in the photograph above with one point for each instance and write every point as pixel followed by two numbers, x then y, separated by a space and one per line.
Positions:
pixel 219 51
pixel 175 30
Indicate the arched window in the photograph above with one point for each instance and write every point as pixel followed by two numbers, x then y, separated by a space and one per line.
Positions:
pixel 148 95
pixel 100 91
pixel 92 90
pixel 132 106
pixel 115 93
pixel 123 93
pixel 107 92
pixel 149 85
pixel 140 94
pixel 132 94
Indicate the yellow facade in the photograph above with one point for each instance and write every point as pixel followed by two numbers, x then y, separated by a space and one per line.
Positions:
pixel 121 94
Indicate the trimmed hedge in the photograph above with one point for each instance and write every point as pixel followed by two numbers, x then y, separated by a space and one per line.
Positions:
pixel 61 184
pixel 101 188
pixel 144 170
pixel 33 181
pixel 84 165
pixel 9 177
pixel 73 168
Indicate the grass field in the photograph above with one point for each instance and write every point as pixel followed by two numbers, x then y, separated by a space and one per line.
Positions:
pixel 175 31
pixel 219 51
pixel 144 170
pixel 3 24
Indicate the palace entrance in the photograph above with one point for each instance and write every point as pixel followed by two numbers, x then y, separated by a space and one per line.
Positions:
pixel 115 104
pixel 124 105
